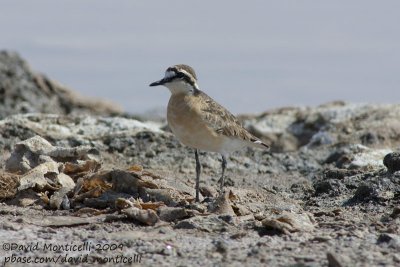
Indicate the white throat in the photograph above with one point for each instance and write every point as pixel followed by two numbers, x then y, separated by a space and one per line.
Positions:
pixel 179 87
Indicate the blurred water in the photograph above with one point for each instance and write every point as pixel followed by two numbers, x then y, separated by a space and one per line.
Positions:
pixel 250 55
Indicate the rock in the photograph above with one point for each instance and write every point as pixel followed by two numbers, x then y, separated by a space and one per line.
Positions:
pixel 66 203
pixel 332 187
pixel 163 195
pixel 222 205
pixel 47 176
pixel 391 240
pixel 122 203
pixel 23 91
pixel 81 167
pixel 385 195
pixel 27 198
pixel 290 222
pixel 105 200
pixel 335 260
pixel 59 200
pixel 365 192
pixel 36 150
pixel 170 214
pixel 336 122
pixel 26 154
pixel 38 177
pixel 321 138
pixel 395 213
pixel 76 134
pixel 392 162
pixel 272 128
pixel 124 182
pixel 148 217
pixel 368 158
pixel 100 180
pixel 65 181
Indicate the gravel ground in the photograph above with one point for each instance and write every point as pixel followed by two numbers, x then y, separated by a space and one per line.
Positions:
pixel 293 208
pixel 104 188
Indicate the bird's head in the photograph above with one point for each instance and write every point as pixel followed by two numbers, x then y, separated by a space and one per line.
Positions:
pixel 179 79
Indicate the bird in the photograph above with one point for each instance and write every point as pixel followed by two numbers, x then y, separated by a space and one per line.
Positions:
pixel 200 122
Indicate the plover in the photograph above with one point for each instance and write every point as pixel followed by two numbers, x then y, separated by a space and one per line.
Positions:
pixel 200 122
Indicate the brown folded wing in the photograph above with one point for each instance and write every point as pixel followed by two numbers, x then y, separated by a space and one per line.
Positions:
pixel 222 121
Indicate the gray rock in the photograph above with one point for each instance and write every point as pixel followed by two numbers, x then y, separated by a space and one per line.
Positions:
pixel 391 240
pixel 38 177
pixel 335 260
pixel 365 192
pixel 392 162
pixel 332 187
pixel 36 150
pixel 26 154
pixel 76 134
pixel 170 214
pixel 59 200
pixel 24 91
pixel 395 213
pixel 336 122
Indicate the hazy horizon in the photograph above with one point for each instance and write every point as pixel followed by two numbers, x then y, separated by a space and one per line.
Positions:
pixel 249 56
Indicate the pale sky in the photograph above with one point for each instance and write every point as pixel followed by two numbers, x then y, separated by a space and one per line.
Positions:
pixel 250 56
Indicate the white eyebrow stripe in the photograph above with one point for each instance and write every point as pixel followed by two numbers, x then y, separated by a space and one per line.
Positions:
pixel 187 73
pixel 191 78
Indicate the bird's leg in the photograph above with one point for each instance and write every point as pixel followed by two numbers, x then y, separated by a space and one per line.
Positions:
pixel 198 169
pixel 222 180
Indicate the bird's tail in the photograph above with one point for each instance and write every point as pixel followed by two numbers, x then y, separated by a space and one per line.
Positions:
pixel 258 143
